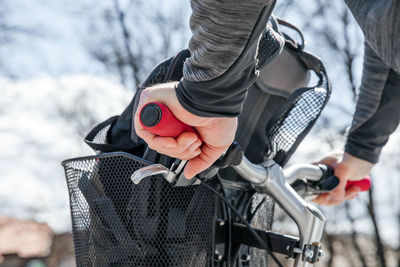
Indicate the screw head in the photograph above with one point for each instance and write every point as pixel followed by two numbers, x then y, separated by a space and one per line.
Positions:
pixel 220 222
pixel 217 257
pixel 308 253
pixel 246 257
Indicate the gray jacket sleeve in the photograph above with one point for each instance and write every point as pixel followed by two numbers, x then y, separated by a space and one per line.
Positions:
pixel 380 22
pixel 378 107
pixel 223 48
pixel 377 112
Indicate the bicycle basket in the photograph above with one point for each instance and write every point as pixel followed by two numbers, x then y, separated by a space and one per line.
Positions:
pixel 118 223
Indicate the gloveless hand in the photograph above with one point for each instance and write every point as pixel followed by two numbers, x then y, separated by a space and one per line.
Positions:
pixel 346 167
pixel 216 134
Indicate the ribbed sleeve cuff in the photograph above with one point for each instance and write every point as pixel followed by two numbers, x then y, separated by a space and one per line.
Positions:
pixel 362 152
pixel 208 103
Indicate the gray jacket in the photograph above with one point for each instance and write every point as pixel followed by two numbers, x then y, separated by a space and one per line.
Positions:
pixel 220 68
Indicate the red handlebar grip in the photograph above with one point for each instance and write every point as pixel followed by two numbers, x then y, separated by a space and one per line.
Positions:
pixel 158 119
pixel 364 184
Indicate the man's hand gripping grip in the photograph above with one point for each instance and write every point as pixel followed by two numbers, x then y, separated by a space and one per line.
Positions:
pixel 158 119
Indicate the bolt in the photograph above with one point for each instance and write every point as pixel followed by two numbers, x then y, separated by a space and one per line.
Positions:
pixel 246 257
pixel 218 257
pixel 308 253
pixel 321 253
pixel 297 250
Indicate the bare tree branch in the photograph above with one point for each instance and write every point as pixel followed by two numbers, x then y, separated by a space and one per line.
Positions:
pixel 331 250
pixel 134 60
pixel 354 235
pixel 378 240
pixel 138 36
pixel 348 54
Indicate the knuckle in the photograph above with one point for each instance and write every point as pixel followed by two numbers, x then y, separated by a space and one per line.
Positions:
pixel 144 94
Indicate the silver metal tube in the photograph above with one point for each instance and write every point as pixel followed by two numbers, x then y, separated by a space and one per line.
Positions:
pixel 272 180
pixel 308 218
pixel 302 171
pixel 253 173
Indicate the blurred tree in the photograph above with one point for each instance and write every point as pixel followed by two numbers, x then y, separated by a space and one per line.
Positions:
pixel 131 37
pixel 10 30
pixel 79 116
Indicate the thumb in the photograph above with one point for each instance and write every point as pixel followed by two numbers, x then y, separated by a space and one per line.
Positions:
pixel 341 172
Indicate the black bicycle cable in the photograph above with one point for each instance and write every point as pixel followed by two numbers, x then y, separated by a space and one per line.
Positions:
pixel 229 221
pixel 246 207
pixel 252 231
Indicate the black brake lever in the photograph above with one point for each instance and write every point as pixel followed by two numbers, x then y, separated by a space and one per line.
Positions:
pixel 232 157
pixel 327 183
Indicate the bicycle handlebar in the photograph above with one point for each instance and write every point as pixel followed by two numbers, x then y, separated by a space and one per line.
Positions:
pixel 158 119
pixel 267 177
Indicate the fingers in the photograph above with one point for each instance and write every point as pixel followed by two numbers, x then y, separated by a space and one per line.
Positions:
pixel 327 199
pixel 322 199
pixel 352 192
pixel 185 147
pixel 337 195
pixel 346 167
pixel 216 133
pixel 192 151
pixel 331 159
pixel 205 159
pixel 188 147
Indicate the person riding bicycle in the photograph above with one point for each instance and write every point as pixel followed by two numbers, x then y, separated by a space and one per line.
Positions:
pixel 221 66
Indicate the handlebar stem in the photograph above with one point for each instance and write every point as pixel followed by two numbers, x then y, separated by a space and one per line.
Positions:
pixel 302 171
pixel 270 179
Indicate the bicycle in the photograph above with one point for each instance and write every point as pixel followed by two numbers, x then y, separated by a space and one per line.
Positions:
pixel 225 219
pixel 266 178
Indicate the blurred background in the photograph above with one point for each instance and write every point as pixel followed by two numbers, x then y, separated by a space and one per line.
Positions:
pixel 67 65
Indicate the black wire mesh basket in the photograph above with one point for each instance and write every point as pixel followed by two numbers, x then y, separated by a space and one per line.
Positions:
pixel 118 223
